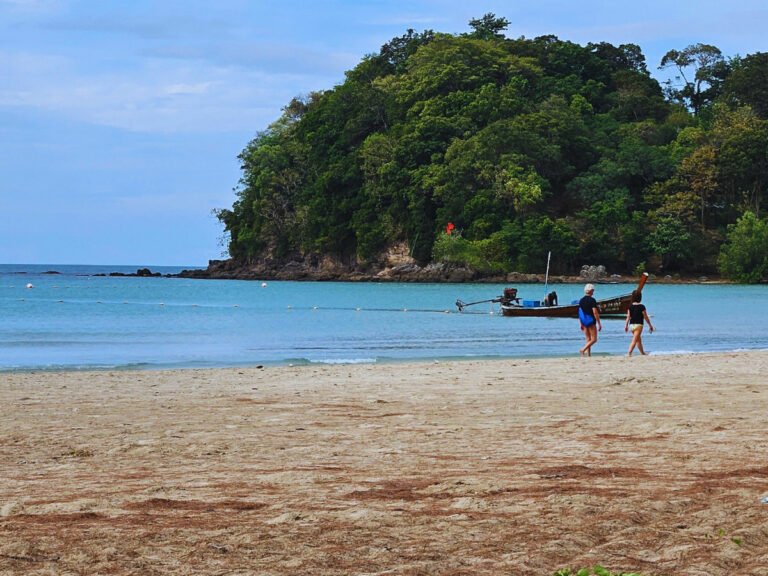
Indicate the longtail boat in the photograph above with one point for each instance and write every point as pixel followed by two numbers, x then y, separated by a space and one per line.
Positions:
pixel 512 305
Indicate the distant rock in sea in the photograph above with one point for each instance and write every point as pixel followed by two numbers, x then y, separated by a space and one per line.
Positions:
pixel 141 272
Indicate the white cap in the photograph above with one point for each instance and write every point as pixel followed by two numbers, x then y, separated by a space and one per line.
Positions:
pixel 589 288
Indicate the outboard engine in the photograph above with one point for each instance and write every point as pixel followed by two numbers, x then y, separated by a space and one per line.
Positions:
pixel 510 296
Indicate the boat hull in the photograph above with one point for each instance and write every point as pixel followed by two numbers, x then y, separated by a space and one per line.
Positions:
pixel 609 308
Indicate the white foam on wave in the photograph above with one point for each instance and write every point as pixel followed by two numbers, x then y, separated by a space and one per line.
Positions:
pixel 719 351
pixel 344 361
pixel 674 352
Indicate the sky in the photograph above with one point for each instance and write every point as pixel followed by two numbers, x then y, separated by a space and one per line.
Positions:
pixel 121 121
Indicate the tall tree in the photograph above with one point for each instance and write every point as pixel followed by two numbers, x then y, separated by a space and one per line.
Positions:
pixel 488 27
pixel 701 85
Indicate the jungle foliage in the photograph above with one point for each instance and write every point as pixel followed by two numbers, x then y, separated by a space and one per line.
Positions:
pixel 526 146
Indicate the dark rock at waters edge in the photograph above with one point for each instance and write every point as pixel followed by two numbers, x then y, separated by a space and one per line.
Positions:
pixel 140 273
pixel 333 271
pixel 324 269
pixel 327 271
pixel 393 265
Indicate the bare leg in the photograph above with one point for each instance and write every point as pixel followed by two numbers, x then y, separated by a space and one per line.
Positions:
pixel 640 342
pixel 634 343
pixel 590 334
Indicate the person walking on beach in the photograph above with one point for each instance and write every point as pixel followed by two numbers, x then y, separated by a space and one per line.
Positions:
pixel 635 317
pixel 589 317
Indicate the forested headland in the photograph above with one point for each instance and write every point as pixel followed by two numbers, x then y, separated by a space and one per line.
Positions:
pixel 486 153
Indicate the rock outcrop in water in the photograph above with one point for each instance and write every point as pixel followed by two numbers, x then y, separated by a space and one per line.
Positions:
pixel 327 270
pixel 396 267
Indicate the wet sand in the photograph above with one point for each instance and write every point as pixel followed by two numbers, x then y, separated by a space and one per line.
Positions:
pixel 652 464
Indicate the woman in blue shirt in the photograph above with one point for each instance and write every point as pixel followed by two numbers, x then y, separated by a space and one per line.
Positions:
pixel 589 316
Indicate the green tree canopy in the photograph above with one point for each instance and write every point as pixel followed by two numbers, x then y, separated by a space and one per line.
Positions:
pixel 526 145
pixel 744 255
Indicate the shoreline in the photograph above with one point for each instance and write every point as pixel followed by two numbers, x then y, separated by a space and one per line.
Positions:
pixel 304 363
pixel 444 278
pixel 513 278
pixel 225 270
pixel 403 268
pixel 651 464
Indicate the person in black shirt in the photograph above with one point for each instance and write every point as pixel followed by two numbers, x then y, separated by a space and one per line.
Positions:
pixel 589 316
pixel 635 317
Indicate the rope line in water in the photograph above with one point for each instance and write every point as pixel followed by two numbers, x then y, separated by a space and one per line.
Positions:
pixel 303 308
pixel 361 309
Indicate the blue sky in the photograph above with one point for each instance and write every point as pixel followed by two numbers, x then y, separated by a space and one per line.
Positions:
pixel 121 121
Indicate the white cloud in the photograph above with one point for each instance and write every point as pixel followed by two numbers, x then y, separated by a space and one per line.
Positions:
pixel 160 96
pixel 270 57
pixel 189 78
pixel 181 89
pixel 410 21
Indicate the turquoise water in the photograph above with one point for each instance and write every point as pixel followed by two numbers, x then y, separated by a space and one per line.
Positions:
pixel 76 320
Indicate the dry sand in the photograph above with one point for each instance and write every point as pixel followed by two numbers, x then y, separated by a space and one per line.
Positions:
pixel 651 464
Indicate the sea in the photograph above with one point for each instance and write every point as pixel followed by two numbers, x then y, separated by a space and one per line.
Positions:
pixel 56 317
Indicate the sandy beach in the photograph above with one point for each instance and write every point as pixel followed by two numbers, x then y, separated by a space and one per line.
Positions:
pixel 652 464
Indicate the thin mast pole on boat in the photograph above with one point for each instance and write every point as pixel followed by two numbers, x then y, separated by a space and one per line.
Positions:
pixel 546 277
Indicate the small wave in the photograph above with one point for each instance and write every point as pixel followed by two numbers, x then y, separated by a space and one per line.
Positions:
pixel 75 367
pixel 344 361
pixel 50 343
pixel 708 351
pixel 757 349
pixel 679 352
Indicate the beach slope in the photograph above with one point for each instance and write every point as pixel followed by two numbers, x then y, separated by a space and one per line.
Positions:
pixel 651 464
